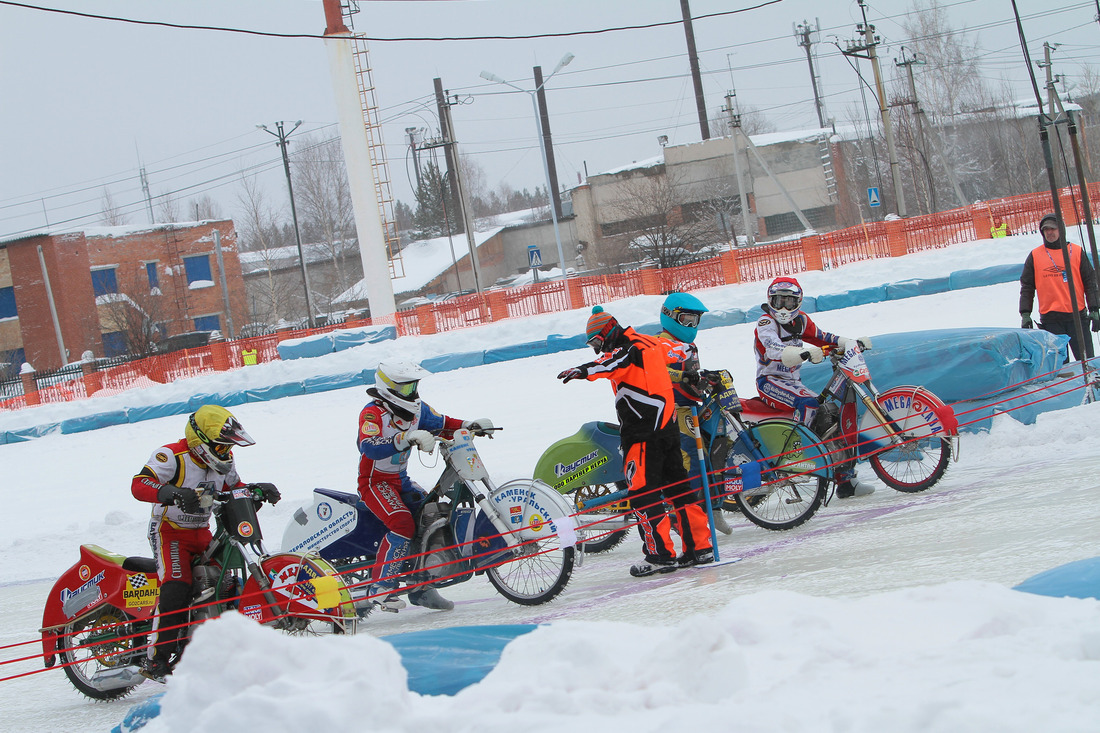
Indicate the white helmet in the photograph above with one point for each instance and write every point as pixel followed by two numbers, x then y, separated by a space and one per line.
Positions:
pixel 784 299
pixel 396 384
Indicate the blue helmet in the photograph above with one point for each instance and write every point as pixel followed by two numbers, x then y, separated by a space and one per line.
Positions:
pixel 680 314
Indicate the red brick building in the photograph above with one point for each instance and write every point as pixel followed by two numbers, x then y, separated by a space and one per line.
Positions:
pixel 115 290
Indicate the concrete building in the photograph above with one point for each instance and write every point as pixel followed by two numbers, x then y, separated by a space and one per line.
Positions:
pixel 112 290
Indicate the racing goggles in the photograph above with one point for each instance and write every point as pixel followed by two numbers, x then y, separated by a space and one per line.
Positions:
pixel 687 319
pixel 785 302
pixel 221 450
pixel 404 389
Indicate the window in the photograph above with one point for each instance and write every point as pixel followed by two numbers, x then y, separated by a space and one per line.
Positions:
pixel 114 343
pixel 208 323
pixel 7 303
pixel 104 281
pixel 151 273
pixel 198 269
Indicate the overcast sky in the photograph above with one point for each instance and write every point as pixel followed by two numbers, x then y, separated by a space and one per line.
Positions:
pixel 84 101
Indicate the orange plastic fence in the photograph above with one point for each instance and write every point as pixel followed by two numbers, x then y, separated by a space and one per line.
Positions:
pixel 867 241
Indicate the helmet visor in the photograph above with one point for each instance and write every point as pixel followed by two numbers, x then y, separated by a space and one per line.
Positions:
pixel 688 319
pixel 785 302
pixel 404 389
pixel 222 450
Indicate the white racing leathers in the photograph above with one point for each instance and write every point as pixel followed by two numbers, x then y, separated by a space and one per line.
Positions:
pixel 781 386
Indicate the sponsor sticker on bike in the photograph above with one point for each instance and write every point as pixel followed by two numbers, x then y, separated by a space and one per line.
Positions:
pixel 140 591
pixel 253 612
pixel 244 529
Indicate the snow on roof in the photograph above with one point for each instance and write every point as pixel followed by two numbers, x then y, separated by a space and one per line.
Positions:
pixel 123 230
pixel 275 258
pixel 423 261
pixel 636 165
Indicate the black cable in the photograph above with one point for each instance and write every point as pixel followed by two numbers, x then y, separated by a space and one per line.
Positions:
pixel 245 31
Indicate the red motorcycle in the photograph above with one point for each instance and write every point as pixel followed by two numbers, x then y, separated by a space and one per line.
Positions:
pixel 99 614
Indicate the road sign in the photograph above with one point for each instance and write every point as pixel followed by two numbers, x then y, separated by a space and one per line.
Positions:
pixel 533 256
pixel 873 197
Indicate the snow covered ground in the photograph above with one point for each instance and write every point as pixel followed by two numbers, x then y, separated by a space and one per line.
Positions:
pixel 887 612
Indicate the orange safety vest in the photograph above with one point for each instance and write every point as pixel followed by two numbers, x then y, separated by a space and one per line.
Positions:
pixel 1051 280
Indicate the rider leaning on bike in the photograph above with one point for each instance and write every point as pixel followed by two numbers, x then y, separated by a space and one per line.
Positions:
pixel 786 337
pixel 179 530
pixel 389 426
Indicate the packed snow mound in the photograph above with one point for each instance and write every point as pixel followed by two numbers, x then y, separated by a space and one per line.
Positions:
pixel 967 650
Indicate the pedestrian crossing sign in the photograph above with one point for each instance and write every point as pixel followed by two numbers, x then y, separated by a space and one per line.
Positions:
pixel 873 197
pixel 534 257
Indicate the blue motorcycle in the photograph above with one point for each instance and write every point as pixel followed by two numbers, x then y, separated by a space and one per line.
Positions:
pixel 774 472
pixel 519 534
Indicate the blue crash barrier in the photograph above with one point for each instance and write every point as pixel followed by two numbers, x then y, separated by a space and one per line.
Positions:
pixel 438 662
pixel 957 364
pixel 992 360
pixel 1079 579
pixel 94 422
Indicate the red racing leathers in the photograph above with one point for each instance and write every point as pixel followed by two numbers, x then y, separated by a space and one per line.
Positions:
pixel 176 537
pixel 384 484
pixel 650 438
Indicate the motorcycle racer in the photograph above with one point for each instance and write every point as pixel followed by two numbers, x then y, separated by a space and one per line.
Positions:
pixel 637 366
pixel 179 530
pixel 389 426
pixel 785 337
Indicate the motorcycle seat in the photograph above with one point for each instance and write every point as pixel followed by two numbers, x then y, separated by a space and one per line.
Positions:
pixel 340 496
pixel 755 409
pixel 145 565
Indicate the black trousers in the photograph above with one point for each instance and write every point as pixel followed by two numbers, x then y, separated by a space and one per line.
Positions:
pixel 1062 323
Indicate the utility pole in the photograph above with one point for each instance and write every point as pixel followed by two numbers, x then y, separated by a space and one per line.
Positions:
pixel 449 156
pixel 933 135
pixel 447 127
pixel 735 127
pixel 282 136
pixel 696 78
pixel 547 144
pixel 414 138
pixel 148 197
pixel 870 45
pixel 804 34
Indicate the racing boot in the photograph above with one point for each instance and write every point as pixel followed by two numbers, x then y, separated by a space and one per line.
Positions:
pixel 156 668
pixel 652 566
pixel 720 522
pixel 428 597
pixel 690 558
pixel 848 486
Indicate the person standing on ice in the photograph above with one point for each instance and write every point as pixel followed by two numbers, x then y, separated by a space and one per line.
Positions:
pixel 179 530
pixel 785 337
pixel 1044 273
pixel 637 366
pixel 389 426
pixel 680 317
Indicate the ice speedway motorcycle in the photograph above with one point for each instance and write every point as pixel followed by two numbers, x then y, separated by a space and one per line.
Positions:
pixel 519 534
pixel 768 467
pixel 906 433
pixel 774 471
pixel 99 614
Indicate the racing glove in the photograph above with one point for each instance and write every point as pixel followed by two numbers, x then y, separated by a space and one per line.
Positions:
pixel 794 355
pixel 1025 321
pixel 186 499
pixel 1094 316
pixel 481 426
pixel 573 373
pixel 422 439
pixel 269 492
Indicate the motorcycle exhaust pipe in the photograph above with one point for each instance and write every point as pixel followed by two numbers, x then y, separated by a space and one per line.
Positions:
pixel 112 679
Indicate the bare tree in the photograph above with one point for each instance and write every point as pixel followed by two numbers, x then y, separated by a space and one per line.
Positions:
pixel 276 297
pixel 112 214
pixel 135 312
pixel 659 228
pixel 204 208
pixel 327 217
pixel 168 208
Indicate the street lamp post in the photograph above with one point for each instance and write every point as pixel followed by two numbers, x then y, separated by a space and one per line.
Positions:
pixel 489 76
pixel 282 136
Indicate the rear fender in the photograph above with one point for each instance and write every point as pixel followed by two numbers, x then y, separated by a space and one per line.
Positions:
pixel 590 456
